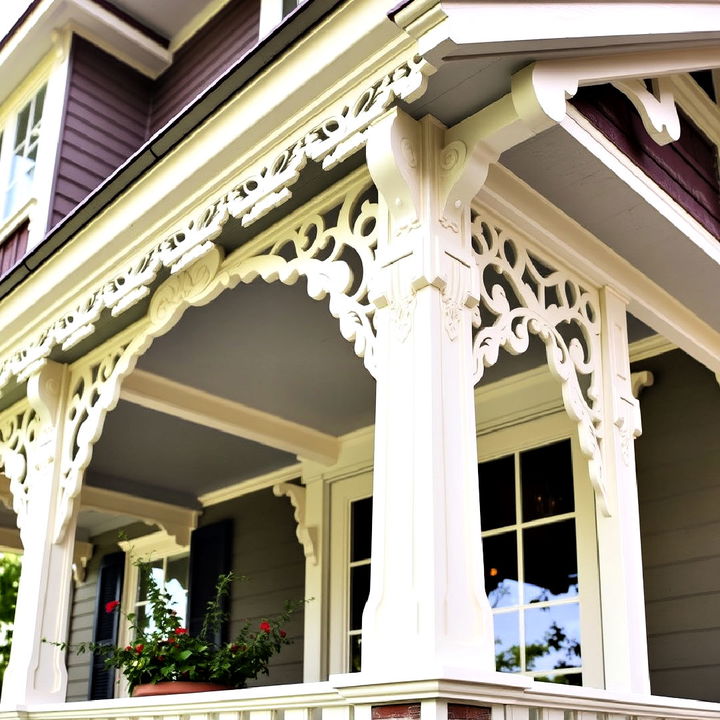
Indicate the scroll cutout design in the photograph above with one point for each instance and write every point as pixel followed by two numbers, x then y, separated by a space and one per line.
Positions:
pixel 334 248
pixel 251 197
pixel 306 534
pixel 96 379
pixel 18 433
pixel 551 304
pixel 332 244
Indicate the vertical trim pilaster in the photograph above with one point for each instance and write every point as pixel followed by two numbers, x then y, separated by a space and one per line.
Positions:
pixel 622 594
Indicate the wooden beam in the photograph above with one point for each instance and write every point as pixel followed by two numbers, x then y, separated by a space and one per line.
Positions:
pixel 197 406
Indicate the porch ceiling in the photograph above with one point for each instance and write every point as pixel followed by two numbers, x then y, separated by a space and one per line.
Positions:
pixel 270 347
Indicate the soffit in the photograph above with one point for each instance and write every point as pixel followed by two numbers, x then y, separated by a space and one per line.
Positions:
pixel 577 182
pixel 166 17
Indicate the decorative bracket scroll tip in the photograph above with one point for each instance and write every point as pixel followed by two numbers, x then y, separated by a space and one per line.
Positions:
pixel 306 535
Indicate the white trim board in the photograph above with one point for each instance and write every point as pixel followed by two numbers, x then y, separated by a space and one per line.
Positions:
pixel 197 406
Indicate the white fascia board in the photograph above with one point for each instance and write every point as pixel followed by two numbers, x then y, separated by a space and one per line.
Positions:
pixel 34 39
pixel 496 27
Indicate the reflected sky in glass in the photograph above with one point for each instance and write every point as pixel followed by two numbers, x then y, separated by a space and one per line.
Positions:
pixel 552 637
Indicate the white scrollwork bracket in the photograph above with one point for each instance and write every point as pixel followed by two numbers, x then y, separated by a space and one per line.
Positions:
pixel 306 534
pixel 522 295
pixel 657 109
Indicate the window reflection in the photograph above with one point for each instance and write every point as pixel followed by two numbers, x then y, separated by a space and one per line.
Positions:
pixel 531 569
pixel 552 637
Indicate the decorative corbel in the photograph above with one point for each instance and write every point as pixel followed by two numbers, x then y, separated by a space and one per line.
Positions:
pixel 81 558
pixel 639 381
pixel 306 535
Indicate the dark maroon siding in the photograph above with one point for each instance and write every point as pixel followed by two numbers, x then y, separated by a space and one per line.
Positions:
pixel 203 58
pixel 13 248
pixel 105 122
pixel 686 169
pixel 112 109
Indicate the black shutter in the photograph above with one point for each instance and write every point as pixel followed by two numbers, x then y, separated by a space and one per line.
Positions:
pixel 110 581
pixel 210 556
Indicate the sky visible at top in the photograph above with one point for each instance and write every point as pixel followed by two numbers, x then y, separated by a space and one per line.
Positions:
pixel 10 11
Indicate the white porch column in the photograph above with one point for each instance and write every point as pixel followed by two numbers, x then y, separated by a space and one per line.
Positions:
pixel 622 595
pixel 427 609
pixel 36 672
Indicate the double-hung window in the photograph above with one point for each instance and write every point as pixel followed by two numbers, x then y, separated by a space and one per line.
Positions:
pixel 19 142
pixel 539 545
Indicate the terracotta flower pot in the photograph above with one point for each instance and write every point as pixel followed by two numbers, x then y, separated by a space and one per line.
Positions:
pixel 172 687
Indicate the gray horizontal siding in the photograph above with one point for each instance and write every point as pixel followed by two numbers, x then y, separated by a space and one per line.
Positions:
pixel 266 550
pixel 678 465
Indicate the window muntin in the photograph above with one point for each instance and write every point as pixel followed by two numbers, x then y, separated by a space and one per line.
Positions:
pixel 26 137
pixel 531 566
pixel 171 574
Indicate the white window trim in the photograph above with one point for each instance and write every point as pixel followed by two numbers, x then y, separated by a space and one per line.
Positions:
pixel 505 424
pixel 52 72
pixel 155 546
pixel 544 431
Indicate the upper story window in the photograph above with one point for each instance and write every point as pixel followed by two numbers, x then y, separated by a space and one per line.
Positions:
pixel 18 153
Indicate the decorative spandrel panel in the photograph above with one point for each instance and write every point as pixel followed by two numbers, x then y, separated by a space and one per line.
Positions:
pixel 524 293
pixel 18 432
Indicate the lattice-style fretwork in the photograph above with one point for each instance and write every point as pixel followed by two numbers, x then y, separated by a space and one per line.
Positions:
pixel 523 295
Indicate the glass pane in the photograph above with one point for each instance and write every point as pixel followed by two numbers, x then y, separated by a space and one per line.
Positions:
pixel 359 590
pixel 547 482
pixel 142 617
pixel 176 583
pixel 551 571
pixel 565 679
pixel 501 569
pixel 355 648
pixel 21 127
pixel 360 534
pixel 155 569
pixel 497 492
pixel 552 637
pixel 507 642
pixel 39 102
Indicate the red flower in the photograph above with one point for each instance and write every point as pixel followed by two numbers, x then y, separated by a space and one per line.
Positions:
pixel 171 641
pixel 234 648
pixel 181 631
pixel 160 658
pixel 110 606
pixel 128 647
pixel 139 647
pixel 265 626
pixel 283 633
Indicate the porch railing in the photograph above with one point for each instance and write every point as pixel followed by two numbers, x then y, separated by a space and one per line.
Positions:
pixel 337 700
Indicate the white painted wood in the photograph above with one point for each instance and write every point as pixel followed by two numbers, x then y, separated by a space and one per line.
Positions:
pixel 564 238
pixel 619 550
pixel 215 497
pixel 177 521
pixel 426 578
pixel 36 671
pixel 197 406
